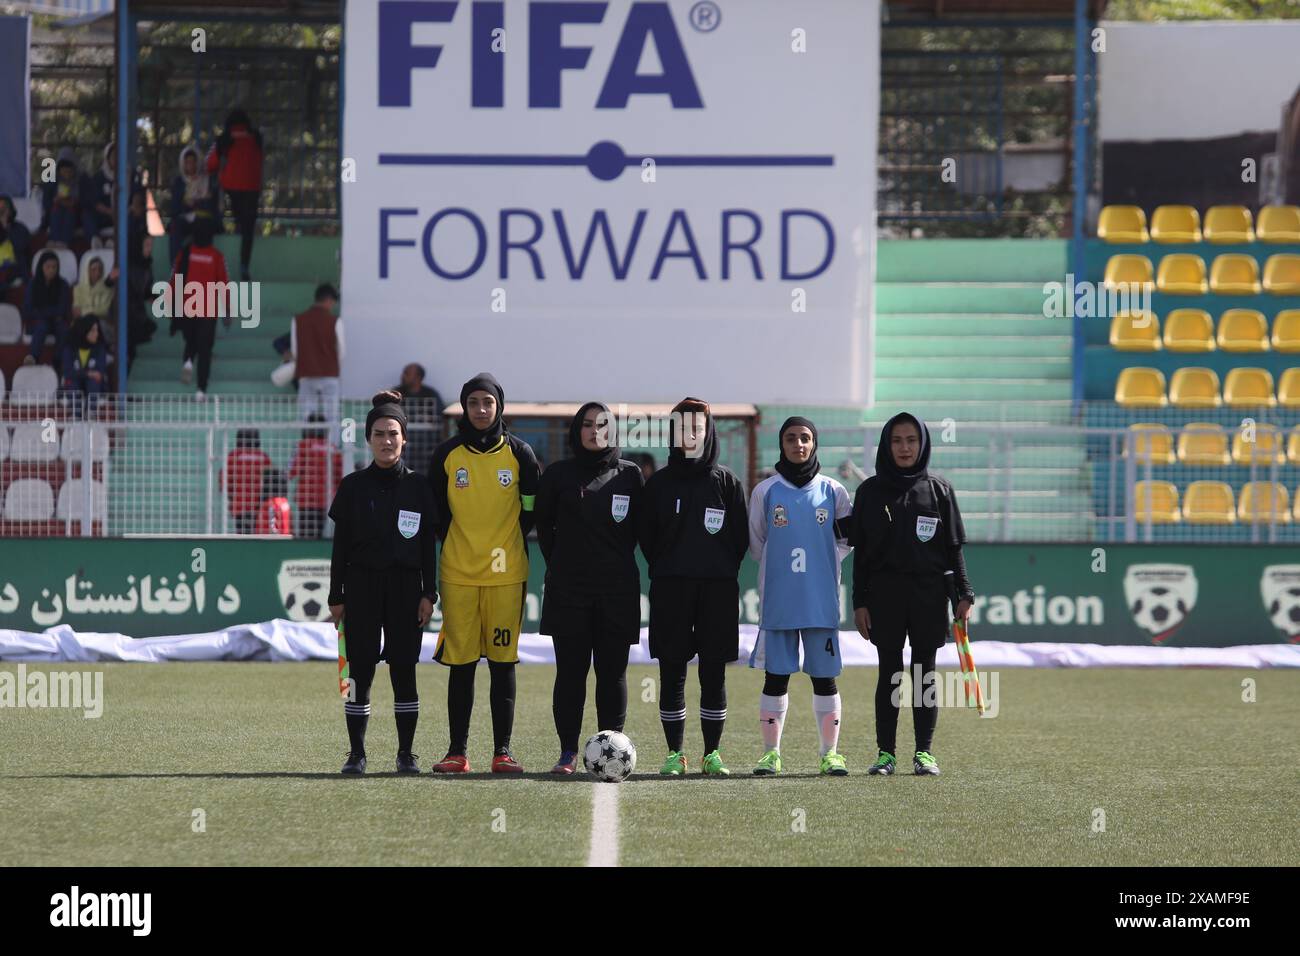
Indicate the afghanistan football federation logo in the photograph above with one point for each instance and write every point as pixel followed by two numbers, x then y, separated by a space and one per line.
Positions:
pixel 408 523
pixel 462 478
pixel 822 515
pixel 1160 597
pixel 1280 587
pixel 618 507
pixel 713 519
pixel 505 476
pixel 304 589
pixel 779 519
pixel 925 527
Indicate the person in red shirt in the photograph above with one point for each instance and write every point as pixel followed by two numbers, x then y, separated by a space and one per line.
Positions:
pixel 241 479
pixel 202 262
pixel 237 155
pixel 318 469
pixel 273 514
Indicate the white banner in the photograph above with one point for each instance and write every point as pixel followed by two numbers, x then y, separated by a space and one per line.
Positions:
pixel 629 201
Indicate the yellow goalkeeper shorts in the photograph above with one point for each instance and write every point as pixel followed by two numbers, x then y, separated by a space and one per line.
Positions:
pixel 480 622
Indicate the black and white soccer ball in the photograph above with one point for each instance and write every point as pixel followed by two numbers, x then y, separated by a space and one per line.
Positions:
pixel 609 756
pixel 1158 610
pixel 1284 612
pixel 307 601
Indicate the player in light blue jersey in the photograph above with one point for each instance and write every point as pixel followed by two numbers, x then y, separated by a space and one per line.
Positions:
pixel 798 532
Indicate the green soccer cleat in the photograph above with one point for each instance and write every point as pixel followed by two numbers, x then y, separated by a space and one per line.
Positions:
pixel 833 765
pixel 712 766
pixel 769 765
pixel 924 765
pixel 675 765
pixel 884 765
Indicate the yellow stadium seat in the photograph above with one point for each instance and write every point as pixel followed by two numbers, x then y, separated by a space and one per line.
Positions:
pixel 1265 449
pixel 1293 448
pixel 1182 274
pixel 1151 443
pixel 1189 330
pixel 1288 389
pixel 1176 224
pixel 1195 388
pixel 1123 224
pixel 1141 388
pixel 1209 502
pixel 1282 274
pixel 1264 502
pixel 1243 330
pixel 1156 502
pixel 1278 224
pixel 1286 331
pixel 1234 274
pixel 1249 388
pixel 1203 443
pixel 1225 224
pixel 1127 269
pixel 1135 332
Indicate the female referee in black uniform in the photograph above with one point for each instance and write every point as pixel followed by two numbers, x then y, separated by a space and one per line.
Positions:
pixel 907 567
pixel 383 576
pixel 587 508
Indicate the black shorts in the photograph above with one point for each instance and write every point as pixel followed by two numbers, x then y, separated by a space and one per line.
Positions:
pixel 592 619
pixel 690 616
pixel 908 606
pixel 382 600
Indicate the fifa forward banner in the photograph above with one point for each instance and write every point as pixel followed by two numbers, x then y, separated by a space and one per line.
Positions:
pixel 1120 594
pixel 623 200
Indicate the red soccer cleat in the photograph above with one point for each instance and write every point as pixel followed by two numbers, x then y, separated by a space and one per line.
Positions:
pixel 451 763
pixel 506 763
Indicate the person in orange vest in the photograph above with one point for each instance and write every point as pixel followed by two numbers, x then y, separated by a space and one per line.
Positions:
pixel 201 262
pixel 273 515
pixel 241 479
pixel 237 157
pixel 318 468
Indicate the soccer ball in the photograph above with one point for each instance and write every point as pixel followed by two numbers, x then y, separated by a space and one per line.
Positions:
pixel 306 602
pixel 1159 610
pixel 1284 612
pixel 609 756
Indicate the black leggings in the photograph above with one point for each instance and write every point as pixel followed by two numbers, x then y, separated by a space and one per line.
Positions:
pixel 778 685
pixel 243 206
pixel 573 658
pixel 713 702
pixel 925 706
pixel 402 677
pixel 460 704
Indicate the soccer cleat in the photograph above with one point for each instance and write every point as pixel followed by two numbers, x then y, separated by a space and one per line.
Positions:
pixel 884 765
pixel 833 765
pixel 567 765
pixel 769 764
pixel 200 396
pixel 675 765
pixel 506 763
pixel 452 763
pixel 187 372
pixel 712 766
pixel 924 764
pixel 355 765
pixel 408 762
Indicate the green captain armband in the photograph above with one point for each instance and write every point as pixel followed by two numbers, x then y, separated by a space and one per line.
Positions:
pixel 527 501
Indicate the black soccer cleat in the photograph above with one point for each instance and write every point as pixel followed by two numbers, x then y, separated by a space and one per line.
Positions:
pixel 355 765
pixel 408 762
pixel 884 765
pixel 924 764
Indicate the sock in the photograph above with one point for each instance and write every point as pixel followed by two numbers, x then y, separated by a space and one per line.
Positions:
pixel 407 714
pixel 827 710
pixel 713 703
pixel 357 716
pixel 672 703
pixel 771 718
pixel 502 697
pixel 460 706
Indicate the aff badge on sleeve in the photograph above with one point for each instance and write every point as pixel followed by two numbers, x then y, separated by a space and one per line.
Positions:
pixel 925 527
pixel 618 507
pixel 713 519
pixel 408 522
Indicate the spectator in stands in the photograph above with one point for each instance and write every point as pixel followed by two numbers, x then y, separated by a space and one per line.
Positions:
pixel 93 295
pixel 137 224
pixel 241 479
pixel 423 407
pixel 273 514
pixel 201 262
pixel 62 201
pixel 194 196
pixel 316 344
pixel 318 469
pixel 85 358
pixel 47 307
pixel 139 295
pixel 99 200
pixel 237 156
pixel 15 245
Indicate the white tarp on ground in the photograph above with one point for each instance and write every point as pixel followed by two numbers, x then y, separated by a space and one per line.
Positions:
pixel 281 640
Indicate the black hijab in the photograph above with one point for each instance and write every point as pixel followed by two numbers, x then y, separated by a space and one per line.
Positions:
pixel 386 404
pixel 798 474
pixel 46 293
pixel 481 439
pixel 591 462
pixel 885 467
pixel 708 456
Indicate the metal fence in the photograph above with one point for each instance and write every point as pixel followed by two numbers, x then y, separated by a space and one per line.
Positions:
pixel 167 465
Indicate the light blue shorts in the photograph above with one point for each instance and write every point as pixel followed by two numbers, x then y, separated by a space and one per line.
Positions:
pixel 777 652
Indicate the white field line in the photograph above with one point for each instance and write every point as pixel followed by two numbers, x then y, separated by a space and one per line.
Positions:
pixel 604 825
